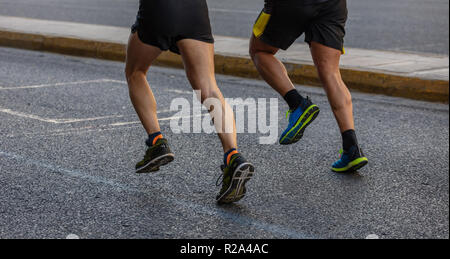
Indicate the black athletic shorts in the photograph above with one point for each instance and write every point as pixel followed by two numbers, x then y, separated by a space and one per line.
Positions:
pixel 283 21
pixel 162 23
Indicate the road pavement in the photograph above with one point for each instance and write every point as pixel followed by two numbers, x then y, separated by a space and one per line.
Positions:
pixel 69 141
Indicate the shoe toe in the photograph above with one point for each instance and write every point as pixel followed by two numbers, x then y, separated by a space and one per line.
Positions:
pixel 283 139
pixel 338 164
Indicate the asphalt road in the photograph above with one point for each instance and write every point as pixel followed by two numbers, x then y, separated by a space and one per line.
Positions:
pixel 68 145
pixel 400 25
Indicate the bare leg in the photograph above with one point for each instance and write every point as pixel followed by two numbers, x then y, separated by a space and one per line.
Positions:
pixel 269 67
pixel 198 58
pixel 139 59
pixel 327 63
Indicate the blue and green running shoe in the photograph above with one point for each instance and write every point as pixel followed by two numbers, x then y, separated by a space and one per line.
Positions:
pixel 299 119
pixel 350 161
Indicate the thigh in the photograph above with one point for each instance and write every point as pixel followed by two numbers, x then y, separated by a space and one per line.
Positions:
pixel 325 58
pixel 140 55
pixel 257 45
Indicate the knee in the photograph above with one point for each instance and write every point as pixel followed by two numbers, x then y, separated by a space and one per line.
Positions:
pixel 258 56
pixel 132 75
pixel 252 52
pixel 328 74
pixel 334 85
pixel 258 48
pixel 256 53
pixel 330 79
pixel 209 93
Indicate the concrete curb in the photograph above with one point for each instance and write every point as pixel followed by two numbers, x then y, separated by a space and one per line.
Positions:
pixel 364 81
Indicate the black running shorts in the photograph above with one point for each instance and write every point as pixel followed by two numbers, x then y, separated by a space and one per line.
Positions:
pixel 283 21
pixel 162 23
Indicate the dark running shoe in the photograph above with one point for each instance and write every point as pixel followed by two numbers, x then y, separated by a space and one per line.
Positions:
pixel 156 156
pixel 234 178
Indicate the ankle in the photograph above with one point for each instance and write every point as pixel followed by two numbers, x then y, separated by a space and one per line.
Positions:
pixel 227 155
pixel 349 140
pixel 153 138
pixel 294 99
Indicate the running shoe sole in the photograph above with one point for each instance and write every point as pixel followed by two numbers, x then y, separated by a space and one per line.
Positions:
pixel 237 189
pixel 352 166
pixel 304 121
pixel 154 165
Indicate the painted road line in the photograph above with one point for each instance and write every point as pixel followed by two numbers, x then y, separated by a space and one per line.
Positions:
pixel 54 121
pixel 70 133
pixel 188 206
pixel 64 84
pixel 178 91
pixel 161 119
pixel 98 128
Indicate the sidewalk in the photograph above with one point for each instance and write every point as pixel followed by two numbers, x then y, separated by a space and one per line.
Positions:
pixel 416 76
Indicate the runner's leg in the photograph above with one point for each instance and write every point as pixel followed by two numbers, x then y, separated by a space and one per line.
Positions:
pixel 198 58
pixel 302 111
pixel 139 59
pixel 327 60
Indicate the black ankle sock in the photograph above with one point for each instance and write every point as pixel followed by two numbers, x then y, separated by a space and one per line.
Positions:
pixel 349 139
pixel 152 137
pixel 225 156
pixel 293 99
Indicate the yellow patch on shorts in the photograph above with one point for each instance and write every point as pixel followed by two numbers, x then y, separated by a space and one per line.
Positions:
pixel 261 23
